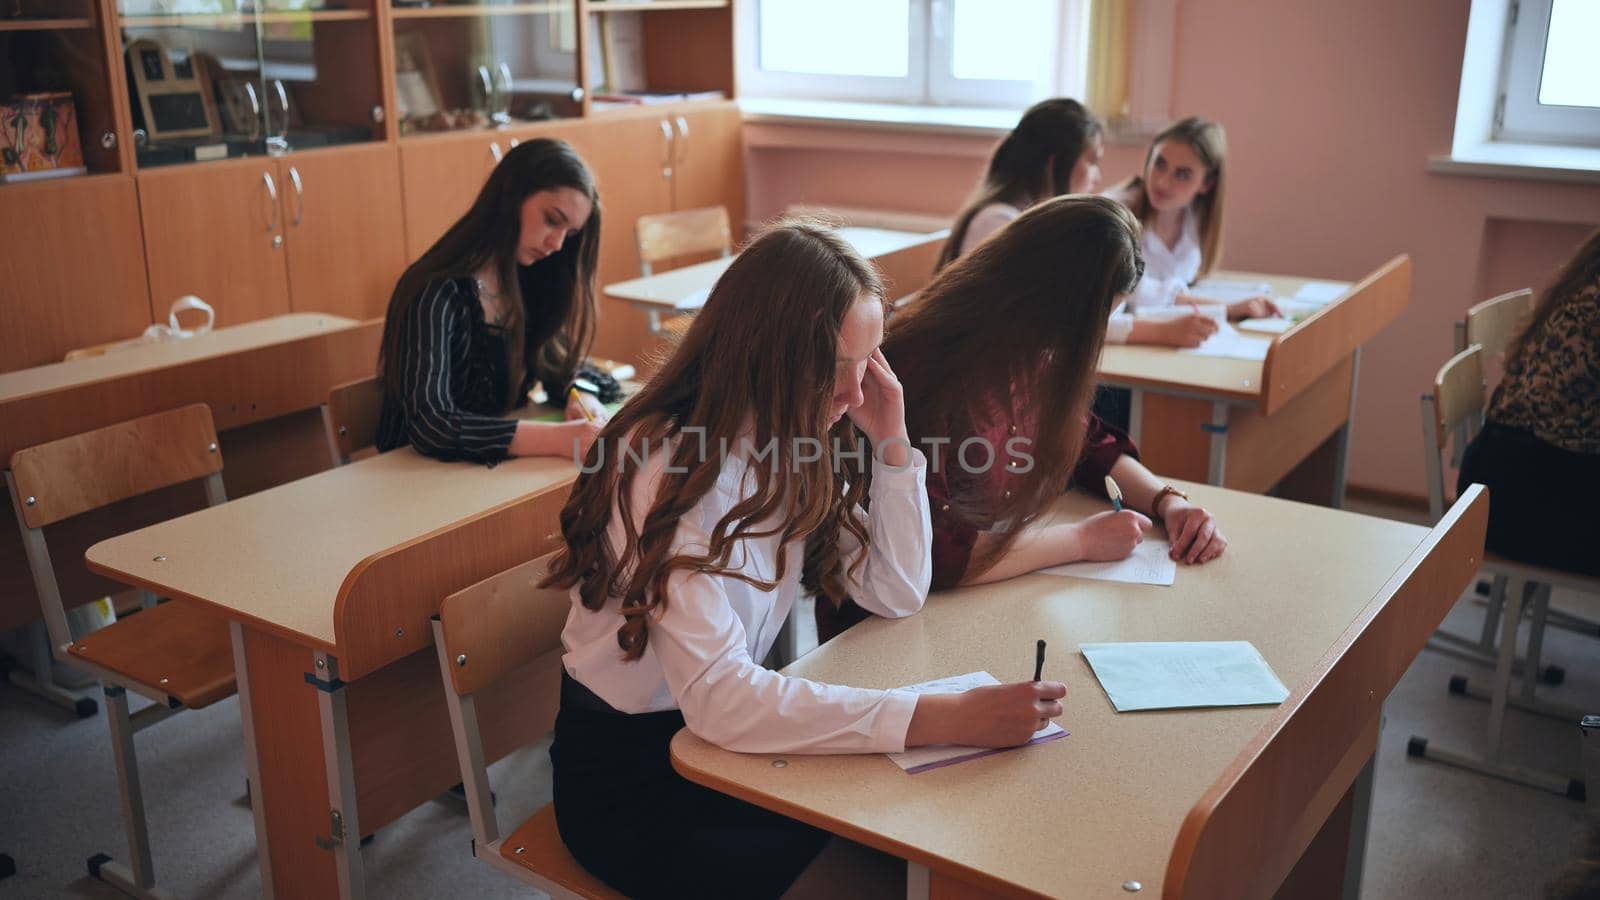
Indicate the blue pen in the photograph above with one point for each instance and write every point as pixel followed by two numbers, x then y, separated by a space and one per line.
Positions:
pixel 1115 493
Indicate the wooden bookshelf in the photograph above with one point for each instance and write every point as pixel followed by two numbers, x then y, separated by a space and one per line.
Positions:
pixel 44 24
pixel 599 6
pixel 235 20
pixel 473 10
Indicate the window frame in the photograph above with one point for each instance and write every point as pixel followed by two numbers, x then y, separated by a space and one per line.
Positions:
pixel 1519 117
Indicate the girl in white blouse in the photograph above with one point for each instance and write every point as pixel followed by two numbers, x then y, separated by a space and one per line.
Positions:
pixel 1179 200
pixel 704 507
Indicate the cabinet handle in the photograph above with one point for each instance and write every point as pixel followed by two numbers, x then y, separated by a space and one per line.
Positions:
pixel 299 196
pixel 668 139
pixel 494 151
pixel 683 139
pixel 272 195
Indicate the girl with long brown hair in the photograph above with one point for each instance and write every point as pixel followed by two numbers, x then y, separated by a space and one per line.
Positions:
pixel 504 297
pixel 1055 149
pixel 1179 199
pixel 769 452
pixel 1539 450
pixel 1001 350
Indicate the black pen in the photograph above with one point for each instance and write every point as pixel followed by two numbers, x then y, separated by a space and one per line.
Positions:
pixel 1038 661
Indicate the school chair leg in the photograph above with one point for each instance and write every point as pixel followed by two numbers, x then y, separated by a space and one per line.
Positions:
pixel 8 866
pixel 1491 613
pixel 1490 763
pixel 1560 618
pixel 42 681
pixel 138 878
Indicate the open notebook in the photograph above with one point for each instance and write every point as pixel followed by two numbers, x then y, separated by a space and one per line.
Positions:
pixel 923 759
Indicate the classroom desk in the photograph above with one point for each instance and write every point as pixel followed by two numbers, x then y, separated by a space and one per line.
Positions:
pixel 1224 803
pixel 905 259
pixel 1251 425
pixel 329 583
pixel 263 380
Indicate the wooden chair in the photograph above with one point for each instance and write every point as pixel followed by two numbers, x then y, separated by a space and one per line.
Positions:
pixel 499 645
pixel 667 236
pixel 1457 402
pixel 178 654
pixel 350 418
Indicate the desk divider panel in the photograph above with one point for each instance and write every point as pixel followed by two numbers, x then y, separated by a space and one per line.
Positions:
pixel 1248 821
pixel 1302 354
pixel 385 604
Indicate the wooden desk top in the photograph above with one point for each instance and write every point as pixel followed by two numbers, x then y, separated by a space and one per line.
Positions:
pixel 1212 376
pixel 283 558
pixel 134 360
pixel 664 290
pixel 1080 816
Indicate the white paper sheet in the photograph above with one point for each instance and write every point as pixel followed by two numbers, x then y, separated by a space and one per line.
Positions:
pixel 1228 342
pixel 694 300
pixel 1270 325
pixel 1227 290
pixel 1148 564
pixel 1182 674
pixel 922 759
pixel 1321 292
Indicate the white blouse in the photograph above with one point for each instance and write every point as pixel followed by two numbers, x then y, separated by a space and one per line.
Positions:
pixel 985 222
pixel 704 650
pixel 1168 271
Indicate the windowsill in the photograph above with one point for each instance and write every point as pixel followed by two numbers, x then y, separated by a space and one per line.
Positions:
pixel 899 117
pixel 1542 162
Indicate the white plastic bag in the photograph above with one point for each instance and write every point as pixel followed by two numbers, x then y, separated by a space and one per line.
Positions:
pixel 158 333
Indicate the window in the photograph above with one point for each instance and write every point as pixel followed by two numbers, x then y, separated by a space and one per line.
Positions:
pixel 1548 90
pixel 997 53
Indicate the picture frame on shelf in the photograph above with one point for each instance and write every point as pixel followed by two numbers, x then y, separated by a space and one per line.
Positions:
pixel 416 85
pixel 170 106
pixel 39 137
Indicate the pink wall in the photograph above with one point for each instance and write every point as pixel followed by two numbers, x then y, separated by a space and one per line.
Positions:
pixel 1332 111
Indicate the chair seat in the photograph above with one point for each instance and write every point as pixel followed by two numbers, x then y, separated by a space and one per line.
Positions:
pixel 1500 565
pixel 537 847
pixel 179 648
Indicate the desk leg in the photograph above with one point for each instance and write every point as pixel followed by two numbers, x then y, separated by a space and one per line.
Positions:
pixel 288 786
pixel 1360 814
pixel 1135 414
pixel 344 827
pixel 252 765
pixel 1217 464
pixel 1342 465
pixel 1330 868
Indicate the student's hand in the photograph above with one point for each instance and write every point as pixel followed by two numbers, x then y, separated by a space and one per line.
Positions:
pixel 550 439
pixel 996 715
pixel 1193 532
pixel 1109 536
pixel 882 413
pixel 578 401
pixel 1252 308
pixel 1186 331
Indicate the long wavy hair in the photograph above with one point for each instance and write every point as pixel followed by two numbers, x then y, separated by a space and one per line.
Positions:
pixel 554 308
pixel 1580 272
pixel 1011 333
pixel 1034 162
pixel 1210 143
pixel 757 364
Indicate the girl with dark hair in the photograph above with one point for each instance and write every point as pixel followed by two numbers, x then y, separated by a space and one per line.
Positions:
pixel 1539 451
pixel 1055 149
pixel 704 507
pixel 504 297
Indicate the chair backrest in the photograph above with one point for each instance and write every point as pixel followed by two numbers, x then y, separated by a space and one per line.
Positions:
pixel 688 232
pixel 499 646
pixel 350 417
pixel 63 478
pixel 1456 405
pixel 1491 323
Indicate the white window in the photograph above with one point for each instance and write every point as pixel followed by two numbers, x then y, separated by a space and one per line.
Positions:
pixel 1549 89
pixel 996 53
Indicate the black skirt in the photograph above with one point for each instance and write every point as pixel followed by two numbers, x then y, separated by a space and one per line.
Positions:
pixel 1541 499
pixel 645 830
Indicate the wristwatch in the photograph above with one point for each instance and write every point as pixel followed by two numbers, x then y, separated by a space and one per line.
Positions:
pixel 1155 505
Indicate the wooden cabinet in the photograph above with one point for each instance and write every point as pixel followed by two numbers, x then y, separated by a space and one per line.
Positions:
pixel 72 268
pixel 343 229
pixel 440 177
pixel 708 166
pixel 628 155
pixel 217 231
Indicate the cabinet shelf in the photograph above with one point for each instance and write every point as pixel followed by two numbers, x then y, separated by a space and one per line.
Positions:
pixel 474 10
pixel 44 24
pixel 649 5
pixel 234 20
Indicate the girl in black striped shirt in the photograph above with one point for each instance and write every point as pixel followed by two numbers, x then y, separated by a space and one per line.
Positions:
pixel 504 297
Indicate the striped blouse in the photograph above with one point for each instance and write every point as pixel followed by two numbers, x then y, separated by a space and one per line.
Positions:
pixel 454 373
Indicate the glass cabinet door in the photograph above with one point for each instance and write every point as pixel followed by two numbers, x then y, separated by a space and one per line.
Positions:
pixel 475 66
